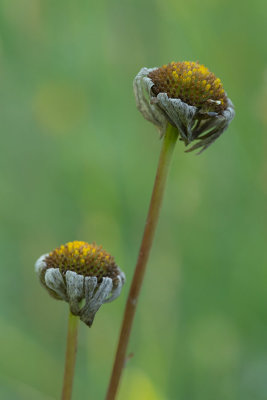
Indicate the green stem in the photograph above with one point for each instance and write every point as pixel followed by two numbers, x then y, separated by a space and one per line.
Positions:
pixel 70 357
pixel 168 145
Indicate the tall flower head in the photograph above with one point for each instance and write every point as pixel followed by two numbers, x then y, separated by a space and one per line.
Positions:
pixel 80 271
pixel 188 96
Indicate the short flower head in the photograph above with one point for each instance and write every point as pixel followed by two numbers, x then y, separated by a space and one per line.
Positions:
pixel 189 97
pixel 80 271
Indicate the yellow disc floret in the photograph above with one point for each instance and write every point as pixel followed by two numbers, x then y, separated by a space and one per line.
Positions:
pixel 191 82
pixel 84 259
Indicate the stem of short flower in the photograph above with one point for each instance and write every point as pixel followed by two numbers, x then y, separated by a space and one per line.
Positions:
pixel 168 145
pixel 70 357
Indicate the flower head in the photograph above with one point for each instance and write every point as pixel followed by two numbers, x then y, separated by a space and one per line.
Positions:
pixel 80 271
pixel 188 96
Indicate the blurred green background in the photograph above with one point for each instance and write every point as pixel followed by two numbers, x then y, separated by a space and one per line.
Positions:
pixel 78 162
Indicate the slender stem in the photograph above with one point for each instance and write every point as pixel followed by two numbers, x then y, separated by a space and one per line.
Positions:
pixel 70 357
pixel 168 145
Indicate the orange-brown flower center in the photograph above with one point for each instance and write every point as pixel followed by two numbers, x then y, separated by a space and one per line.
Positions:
pixel 191 82
pixel 84 259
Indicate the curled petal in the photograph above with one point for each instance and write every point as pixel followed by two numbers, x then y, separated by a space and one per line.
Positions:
pixel 142 90
pixel 55 282
pixel 40 265
pixel 94 298
pixel 117 290
pixel 179 114
pixel 75 290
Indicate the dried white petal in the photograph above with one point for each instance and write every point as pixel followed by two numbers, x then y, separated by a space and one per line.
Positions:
pixel 75 290
pixel 117 290
pixel 209 131
pixel 90 284
pixel 142 91
pixel 40 265
pixel 55 282
pixel 94 298
pixel 102 292
pixel 179 114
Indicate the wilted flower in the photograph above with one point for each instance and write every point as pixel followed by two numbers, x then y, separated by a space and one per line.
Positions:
pixel 189 97
pixel 80 271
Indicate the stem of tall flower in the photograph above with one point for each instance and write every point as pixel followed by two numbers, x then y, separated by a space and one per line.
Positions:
pixel 70 357
pixel 168 145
